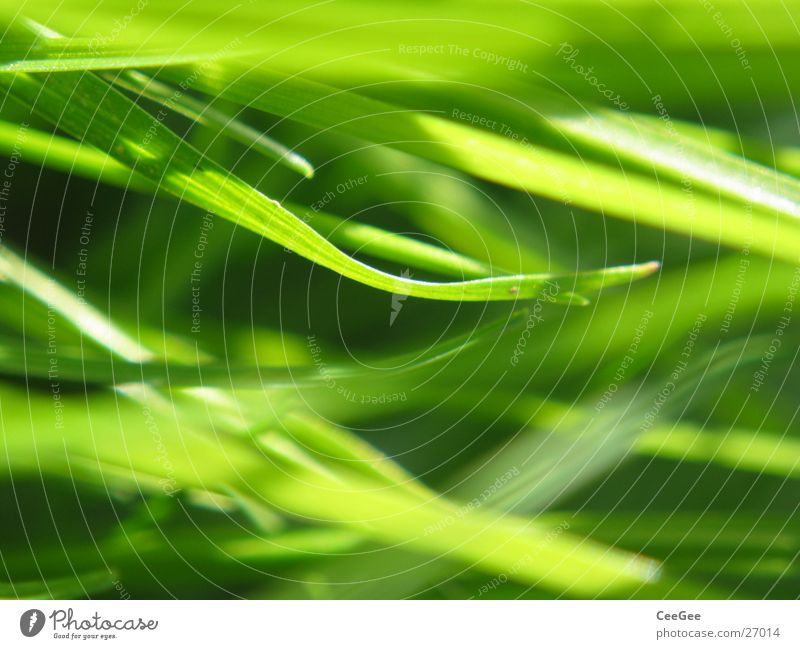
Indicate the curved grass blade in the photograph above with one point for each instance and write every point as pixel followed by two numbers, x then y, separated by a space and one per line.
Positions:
pixel 383 244
pixel 525 166
pixel 140 365
pixel 89 109
pixel 71 157
pixel 207 115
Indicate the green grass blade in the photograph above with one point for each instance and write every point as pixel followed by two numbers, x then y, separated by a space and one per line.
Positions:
pixel 761 452
pixel 525 166
pixel 89 109
pixel 52 54
pixel 203 113
pixel 69 156
pixel 139 365
pixel 95 325
pixel 123 452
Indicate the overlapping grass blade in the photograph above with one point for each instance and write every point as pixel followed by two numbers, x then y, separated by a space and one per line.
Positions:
pixel 141 365
pixel 69 156
pixel 761 452
pixel 96 113
pixel 528 166
pixel 177 100
pixel 122 453
pixel 532 167
pixel 52 54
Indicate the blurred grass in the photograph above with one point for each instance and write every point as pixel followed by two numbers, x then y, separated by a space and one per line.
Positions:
pixel 358 300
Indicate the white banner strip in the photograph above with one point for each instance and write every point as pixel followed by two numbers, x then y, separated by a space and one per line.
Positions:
pixel 399 624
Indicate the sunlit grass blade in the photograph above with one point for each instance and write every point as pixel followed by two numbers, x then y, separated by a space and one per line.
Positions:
pixel 657 145
pixel 180 102
pixel 71 157
pixel 111 122
pixel 50 53
pixel 87 319
pixel 122 453
pixel 762 452
pixel 525 166
pixel 551 173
